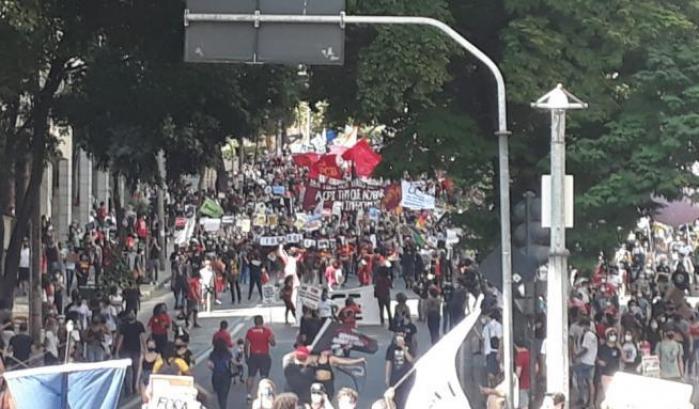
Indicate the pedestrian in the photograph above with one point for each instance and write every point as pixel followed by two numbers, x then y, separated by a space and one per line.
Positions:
pixel 20 346
pixel 399 361
pixel 401 307
pixel 348 314
pixel 94 339
pixel 669 353
pixel 130 344
pixel 309 327
pixel 239 361
pixel 608 360
pixel 223 335
pixel 323 366
pixel 585 359
pixel 457 303
pixel 523 375
pixel 194 298
pixel 154 259
pixel 159 325
pixel 492 344
pixel 266 394
pixel 433 312
pixel 256 271
pixel 146 364
pixel 286 401
pixel 325 306
pixel 630 355
pixel 285 294
pixel 382 292
pixel 347 398
pixel 258 341
pixel 132 297
pixel 319 397
pixel 221 366
pixel 51 342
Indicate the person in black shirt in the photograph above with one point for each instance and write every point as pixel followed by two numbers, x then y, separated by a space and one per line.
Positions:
pixel 309 327
pixel 608 358
pixel 132 298
pixel 399 361
pixel 20 346
pixel 130 344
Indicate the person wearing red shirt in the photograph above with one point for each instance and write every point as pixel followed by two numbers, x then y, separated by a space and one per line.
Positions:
pixel 159 324
pixel 258 340
pixel 223 335
pixel 522 371
pixel 348 314
pixel 193 298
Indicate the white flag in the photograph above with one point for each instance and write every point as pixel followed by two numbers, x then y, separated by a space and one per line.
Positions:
pixel 437 385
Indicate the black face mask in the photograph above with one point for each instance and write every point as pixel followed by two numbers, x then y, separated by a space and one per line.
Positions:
pixel 151 349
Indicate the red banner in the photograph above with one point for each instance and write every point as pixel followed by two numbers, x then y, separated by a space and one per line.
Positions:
pixel 326 166
pixel 364 158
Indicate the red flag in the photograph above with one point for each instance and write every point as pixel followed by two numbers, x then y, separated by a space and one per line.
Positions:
pixel 306 159
pixel 364 158
pixel 326 166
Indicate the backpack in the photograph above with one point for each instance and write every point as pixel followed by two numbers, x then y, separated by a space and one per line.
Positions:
pixel 222 364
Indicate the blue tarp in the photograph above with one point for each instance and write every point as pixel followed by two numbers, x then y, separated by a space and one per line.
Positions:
pixel 70 386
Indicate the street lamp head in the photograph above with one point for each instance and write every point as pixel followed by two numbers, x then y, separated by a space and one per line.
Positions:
pixel 559 98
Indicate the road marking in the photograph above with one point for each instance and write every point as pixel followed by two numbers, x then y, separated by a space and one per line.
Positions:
pixel 135 401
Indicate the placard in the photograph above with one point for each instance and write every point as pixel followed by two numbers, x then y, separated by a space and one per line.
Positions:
pixel 294 238
pixel 260 220
pixel 243 225
pixel 308 243
pixel 230 219
pixel 323 244
pixel 278 190
pixel 168 391
pixel 650 366
pixel 309 295
pixel 269 292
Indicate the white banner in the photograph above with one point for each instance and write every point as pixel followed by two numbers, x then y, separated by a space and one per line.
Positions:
pixel 414 198
pixel 443 392
pixel 228 219
pixel 309 296
pixel 210 225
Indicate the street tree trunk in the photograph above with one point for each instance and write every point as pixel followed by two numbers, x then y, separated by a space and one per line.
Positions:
pixel 35 290
pixel 43 101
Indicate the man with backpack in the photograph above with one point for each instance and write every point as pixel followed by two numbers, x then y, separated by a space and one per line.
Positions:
pixel 492 343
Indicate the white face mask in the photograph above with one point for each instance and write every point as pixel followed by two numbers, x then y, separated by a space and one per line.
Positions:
pixel 345 403
pixel 316 398
pixel 628 338
pixel 612 338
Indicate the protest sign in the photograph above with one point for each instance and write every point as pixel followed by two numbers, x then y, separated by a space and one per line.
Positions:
pixel 269 292
pixel 352 195
pixel 229 219
pixel 294 238
pixel 210 225
pixel 650 366
pixel 308 243
pixel 323 244
pixel 211 209
pixel 278 190
pixel 271 241
pixel 414 198
pixel 243 225
pixel 309 295
pixel 169 391
pixel 272 220
pixel 259 220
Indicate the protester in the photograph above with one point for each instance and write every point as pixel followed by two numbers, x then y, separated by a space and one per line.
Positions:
pixel 319 398
pixel 221 366
pixel 159 325
pixel 399 362
pixel 258 341
pixel 347 398
pixel 285 294
pixel 223 335
pixel 669 353
pixel 433 311
pixel 266 395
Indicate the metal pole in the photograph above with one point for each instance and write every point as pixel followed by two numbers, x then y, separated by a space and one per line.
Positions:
pixel 557 362
pixel 557 357
pixel 502 133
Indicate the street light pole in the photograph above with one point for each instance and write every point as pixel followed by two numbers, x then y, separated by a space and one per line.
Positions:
pixel 557 355
pixel 503 134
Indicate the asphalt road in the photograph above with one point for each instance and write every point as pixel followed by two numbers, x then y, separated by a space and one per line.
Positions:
pixel 239 318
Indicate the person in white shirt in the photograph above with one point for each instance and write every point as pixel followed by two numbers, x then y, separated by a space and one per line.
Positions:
pixel 325 306
pixel 207 276
pixel 492 344
pixel 585 358
pixel 24 264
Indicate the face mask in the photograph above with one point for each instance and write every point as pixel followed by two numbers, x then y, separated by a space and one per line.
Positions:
pixel 316 397
pixel 151 349
pixel 628 338
pixel 612 338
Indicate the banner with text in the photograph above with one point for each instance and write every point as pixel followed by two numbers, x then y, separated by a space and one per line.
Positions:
pixel 351 195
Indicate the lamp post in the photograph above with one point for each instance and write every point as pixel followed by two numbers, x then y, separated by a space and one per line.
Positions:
pixel 558 101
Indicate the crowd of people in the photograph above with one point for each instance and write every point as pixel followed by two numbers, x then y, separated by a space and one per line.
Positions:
pixel 634 313
pixel 84 284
